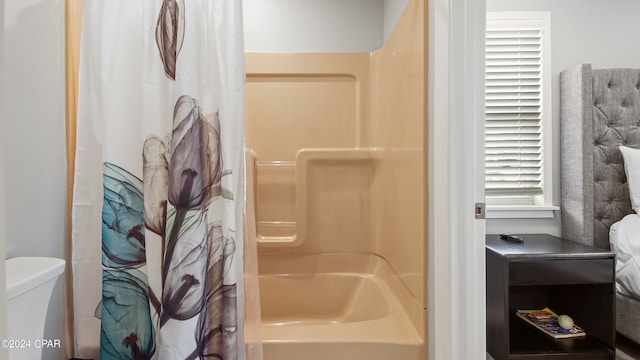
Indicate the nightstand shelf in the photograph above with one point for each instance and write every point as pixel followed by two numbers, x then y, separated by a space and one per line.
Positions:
pixel 547 271
pixel 526 343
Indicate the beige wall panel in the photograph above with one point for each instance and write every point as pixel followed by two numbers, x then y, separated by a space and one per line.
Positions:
pixel 297 102
pixel 292 112
pixel 398 118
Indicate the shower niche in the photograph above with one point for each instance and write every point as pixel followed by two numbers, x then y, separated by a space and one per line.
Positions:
pixel 276 193
pixel 324 194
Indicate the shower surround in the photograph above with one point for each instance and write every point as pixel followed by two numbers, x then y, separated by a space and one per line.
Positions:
pixel 337 153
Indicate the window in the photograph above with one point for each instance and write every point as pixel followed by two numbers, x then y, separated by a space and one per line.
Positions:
pixel 518 109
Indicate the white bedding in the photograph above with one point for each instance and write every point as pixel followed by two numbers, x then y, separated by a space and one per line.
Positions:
pixel 624 237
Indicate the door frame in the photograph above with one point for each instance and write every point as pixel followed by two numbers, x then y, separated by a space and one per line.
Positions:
pixel 455 162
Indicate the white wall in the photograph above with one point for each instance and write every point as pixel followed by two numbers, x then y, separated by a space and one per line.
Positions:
pixel 3 301
pixel 602 33
pixel 391 12
pixel 314 25
pixel 33 138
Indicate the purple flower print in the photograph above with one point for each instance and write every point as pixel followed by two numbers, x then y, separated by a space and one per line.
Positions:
pixel 170 34
pixel 195 168
pixel 156 184
pixel 217 329
pixel 183 292
pixel 194 173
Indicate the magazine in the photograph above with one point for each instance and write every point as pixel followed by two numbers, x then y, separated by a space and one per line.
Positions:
pixel 546 321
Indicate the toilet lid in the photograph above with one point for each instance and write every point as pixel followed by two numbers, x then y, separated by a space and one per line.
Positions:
pixel 26 273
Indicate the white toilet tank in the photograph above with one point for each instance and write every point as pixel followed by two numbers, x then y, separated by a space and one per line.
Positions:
pixel 30 282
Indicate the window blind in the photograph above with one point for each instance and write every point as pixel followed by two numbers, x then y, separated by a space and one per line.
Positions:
pixel 513 109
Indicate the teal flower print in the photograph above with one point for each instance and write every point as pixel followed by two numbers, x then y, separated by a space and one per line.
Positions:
pixel 123 240
pixel 126 330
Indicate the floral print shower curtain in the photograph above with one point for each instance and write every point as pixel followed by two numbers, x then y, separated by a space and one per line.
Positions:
pixel 159 181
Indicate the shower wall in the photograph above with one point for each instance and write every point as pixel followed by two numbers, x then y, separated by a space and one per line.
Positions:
pixel 306 125
pixel 338 142
pixel 398 128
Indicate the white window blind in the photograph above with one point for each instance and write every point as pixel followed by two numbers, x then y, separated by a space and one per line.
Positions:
pixel 513 128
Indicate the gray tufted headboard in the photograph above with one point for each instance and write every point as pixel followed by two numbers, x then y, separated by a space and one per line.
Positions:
pixel 599 111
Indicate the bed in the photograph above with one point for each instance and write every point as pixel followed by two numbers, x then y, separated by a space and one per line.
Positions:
pixel 599 114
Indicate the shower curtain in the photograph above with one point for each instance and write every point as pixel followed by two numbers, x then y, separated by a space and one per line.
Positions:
pixel 158 198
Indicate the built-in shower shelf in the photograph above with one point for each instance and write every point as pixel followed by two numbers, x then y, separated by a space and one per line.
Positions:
pixel 275 201
pixel 292 197
pixel 276 229
pixel 273 235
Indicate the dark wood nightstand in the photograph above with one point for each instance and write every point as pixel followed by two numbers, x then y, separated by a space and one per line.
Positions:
pixel 547 271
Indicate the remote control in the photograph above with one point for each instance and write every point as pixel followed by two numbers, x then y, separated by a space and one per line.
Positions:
pixel 512 238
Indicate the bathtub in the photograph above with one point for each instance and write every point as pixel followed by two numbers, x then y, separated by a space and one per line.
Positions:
pixel 337 306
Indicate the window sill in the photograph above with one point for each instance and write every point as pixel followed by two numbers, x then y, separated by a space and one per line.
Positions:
pixel 520 212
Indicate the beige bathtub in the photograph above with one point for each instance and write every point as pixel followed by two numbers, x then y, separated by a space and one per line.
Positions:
pixel 337 306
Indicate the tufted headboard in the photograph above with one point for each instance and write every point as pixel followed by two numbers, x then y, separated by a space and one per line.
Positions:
pixel 599 111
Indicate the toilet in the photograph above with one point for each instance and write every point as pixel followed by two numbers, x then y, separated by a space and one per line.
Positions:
pixel 30 282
